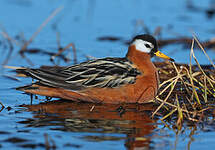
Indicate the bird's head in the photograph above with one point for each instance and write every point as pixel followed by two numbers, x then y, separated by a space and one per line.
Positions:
pixel 148 44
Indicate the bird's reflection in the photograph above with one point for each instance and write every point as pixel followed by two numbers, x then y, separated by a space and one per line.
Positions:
pixel 130 119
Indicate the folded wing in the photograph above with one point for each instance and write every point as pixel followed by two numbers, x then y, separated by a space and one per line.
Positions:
pixel 103 73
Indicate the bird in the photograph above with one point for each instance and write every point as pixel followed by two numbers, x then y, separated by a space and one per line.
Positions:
pixel 130 79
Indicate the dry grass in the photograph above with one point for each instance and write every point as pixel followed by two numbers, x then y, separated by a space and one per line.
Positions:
pixel 26 44
pixel 187 91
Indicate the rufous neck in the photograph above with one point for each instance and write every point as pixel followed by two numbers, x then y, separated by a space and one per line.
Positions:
pixel 140 59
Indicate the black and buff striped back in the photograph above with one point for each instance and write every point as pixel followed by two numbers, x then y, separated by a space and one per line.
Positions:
pixel 103 73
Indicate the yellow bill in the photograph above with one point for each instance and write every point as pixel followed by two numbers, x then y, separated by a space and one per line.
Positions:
pixel 161 55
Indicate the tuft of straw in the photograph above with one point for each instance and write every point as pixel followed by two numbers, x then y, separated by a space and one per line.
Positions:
pixel 186 91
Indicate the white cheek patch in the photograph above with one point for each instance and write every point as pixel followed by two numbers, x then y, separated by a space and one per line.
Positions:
pixel 140 45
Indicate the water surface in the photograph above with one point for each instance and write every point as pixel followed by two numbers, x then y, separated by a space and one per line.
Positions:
pixel 68 125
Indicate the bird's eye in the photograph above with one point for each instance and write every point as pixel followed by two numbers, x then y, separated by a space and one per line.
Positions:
pixel 147 45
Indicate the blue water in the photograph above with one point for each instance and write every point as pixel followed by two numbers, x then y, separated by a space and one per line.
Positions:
pixel 82 22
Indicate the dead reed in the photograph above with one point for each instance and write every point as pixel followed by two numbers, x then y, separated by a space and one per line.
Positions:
pixel 187 91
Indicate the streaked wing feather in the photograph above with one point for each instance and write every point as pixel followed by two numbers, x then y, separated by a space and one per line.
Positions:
pixel 107 72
